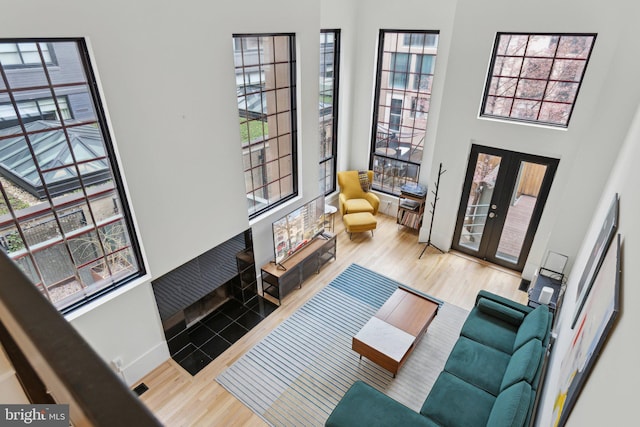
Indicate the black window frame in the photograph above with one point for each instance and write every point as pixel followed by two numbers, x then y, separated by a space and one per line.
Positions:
pixel 118 189
pixel 393 164
pixel 292 87
pixel 490 74
pixel 332 160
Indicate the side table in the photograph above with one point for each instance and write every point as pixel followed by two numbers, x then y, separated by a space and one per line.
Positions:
pixel 535 290
pixel 329 216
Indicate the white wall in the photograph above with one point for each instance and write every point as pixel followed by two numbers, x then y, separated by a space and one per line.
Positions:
pixel 167 77
pixel 587 150
pixel 610 394
pixel 372 16
pixel 596 128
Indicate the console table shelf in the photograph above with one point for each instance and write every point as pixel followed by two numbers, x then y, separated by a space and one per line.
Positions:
pixel 410 210
pixel 245 286
pixel 280 279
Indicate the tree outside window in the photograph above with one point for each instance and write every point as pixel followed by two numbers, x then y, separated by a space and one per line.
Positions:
pixel 265 87
pixel 536 77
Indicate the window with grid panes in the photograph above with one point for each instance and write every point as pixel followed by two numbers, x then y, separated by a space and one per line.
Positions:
pixel 536 77
pixel 265 87
pixel 406 63
pixel 328 105
pixel 63 215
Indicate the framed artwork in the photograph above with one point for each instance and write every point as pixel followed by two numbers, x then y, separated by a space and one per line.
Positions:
pixel 595 259
pixel 594 325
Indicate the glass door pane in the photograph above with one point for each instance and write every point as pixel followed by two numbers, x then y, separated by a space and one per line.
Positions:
pixel 521 206
pixel 480 195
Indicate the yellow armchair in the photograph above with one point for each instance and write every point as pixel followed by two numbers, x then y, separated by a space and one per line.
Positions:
pixel 353 198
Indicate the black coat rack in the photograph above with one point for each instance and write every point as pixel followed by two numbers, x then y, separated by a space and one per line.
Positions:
pixel 432 211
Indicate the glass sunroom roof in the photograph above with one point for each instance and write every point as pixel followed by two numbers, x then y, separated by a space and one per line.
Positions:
pixel 53 153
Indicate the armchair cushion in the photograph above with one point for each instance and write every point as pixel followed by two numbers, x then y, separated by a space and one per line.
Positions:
pixel 350 184
pixel 358 205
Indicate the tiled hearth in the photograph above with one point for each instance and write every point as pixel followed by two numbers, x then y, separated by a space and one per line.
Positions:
pixel 210 336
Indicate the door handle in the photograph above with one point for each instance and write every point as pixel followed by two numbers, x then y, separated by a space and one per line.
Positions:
pixel 492 215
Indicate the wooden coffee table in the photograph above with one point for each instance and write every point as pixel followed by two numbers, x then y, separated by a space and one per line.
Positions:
pixel 389 337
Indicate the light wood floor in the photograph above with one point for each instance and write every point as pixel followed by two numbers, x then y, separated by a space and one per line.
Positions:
pixel 178 399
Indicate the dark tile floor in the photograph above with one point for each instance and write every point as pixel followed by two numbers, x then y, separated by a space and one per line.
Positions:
pixel 213 334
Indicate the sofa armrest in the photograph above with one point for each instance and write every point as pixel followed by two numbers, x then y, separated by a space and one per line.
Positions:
pixel 504 301
pixel 363 405
pixel 342 200
pixel 373 199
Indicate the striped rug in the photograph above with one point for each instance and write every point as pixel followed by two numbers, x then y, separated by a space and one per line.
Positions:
pixel 297 374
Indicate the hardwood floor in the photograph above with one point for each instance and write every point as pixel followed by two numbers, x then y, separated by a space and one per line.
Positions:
pixel 178 399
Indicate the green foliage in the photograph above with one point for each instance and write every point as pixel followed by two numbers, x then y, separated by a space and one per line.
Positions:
pixel 252 129
pixel 17 204
pixel 14 242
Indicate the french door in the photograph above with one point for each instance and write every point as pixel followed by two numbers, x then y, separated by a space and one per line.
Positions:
pixel 502 202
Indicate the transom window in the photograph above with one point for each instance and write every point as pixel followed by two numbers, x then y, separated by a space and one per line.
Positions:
pixel 536 77
pixel 329 73
pixel 265 86
pixel 63 216
pixel 406 64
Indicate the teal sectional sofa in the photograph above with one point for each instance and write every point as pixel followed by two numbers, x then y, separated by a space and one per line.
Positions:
pixel 491 377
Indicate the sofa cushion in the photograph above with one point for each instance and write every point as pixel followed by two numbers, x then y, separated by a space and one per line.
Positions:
pixel 524 364
pixel 363 405
pixel 453 402
pixel 489 330
pixel 511 407
pixel 478 364
pixel 534 325
pixel 500 311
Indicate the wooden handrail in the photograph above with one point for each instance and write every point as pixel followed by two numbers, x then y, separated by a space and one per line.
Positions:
pixel 69 369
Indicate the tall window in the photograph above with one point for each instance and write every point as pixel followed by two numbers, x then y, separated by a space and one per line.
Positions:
pixel 536 77
pixel 406 62
pixel 266 87
pixel 63 216
pixel 328 105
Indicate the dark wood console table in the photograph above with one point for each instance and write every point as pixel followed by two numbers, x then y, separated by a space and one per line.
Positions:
pixel 280 279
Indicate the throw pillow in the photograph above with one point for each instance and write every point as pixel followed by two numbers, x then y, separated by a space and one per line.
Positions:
pixel 500 311
pixel 511 407
pixel 523 365
pixel 534 325
pixel 363 176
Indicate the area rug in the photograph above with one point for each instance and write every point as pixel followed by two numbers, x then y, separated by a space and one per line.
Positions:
pixel 297 374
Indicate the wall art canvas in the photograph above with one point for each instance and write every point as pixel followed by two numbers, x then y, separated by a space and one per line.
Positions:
pixel 595 258
pixel 594 325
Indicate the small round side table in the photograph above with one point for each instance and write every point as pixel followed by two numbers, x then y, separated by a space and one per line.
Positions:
pixel 329 214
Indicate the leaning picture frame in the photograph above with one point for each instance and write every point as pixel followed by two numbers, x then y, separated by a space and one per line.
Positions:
pixel 596 321
pixel 607 231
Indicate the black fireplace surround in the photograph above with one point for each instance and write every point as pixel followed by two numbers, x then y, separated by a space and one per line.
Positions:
pixel 214 292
